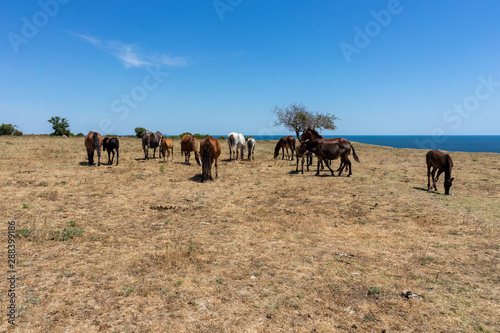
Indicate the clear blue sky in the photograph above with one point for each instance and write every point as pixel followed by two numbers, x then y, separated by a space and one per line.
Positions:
pixel 382 67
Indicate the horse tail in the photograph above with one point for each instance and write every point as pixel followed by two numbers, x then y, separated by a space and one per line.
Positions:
pixel 354 154
pixel 207 158
pixel 97 144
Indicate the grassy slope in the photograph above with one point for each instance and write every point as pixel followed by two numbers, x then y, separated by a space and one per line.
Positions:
pixel 259 249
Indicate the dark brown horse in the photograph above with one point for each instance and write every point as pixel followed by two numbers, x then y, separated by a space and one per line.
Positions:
pixel 93 141
pixel 188 144
pixel 111 145
pixel 331 151
pixel 209 150
pixel 311 135
pixel 437 160
pixel 285 143
pixel 150 140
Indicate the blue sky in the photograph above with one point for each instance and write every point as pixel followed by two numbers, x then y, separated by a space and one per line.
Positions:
pixel 382 67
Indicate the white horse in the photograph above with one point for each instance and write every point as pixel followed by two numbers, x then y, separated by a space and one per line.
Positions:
pixel 251 148
pixel 236 141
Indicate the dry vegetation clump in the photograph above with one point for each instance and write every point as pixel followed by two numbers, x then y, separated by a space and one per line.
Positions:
pixel 145 247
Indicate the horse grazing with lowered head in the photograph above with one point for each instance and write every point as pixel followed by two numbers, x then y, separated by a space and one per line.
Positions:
pixel 236 141
pixel 188 144
pixel 440 161
pixel 150 140
pixel 111 145
pixel 209 150
pixel 285 142
pixel 167 145
pixel 251 148
pixel 93 142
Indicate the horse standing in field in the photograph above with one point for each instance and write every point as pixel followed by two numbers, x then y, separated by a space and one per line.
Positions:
pixel 167 145
pixel 188 144
pixel 440 161
pixel 302 153
pixel 331 151
pixel 209 150
pixel 251 148
pixel 311 135
pixel 93 141
pixel 285 143
pixel 150 140
pixel 111 145
pixel 236 141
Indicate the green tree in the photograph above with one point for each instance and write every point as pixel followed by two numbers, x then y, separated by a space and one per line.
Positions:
pixel 7 129
pixel 139 131
pixel 60 126
pixel 297 118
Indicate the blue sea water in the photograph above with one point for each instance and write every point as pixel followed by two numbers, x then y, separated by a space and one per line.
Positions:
pixel 466 143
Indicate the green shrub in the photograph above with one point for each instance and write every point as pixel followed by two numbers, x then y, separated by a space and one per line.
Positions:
pixel 7 129
pixel 139 131
pixel 17 133
pixel 80 135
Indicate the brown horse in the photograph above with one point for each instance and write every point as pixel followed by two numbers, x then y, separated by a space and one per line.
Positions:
pixel 285 143
pixel 209 150
pixel 167 145
pixel 188 144
pixel 442 163
pixel 111 145
pixel 331 151
pixel 311 135
pixel 93 141
pixel 150 140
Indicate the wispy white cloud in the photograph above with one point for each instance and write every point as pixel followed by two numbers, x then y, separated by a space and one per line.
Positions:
pixel 130 56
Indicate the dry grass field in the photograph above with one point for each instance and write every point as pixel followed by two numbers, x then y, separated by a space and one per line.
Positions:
pixel 145 247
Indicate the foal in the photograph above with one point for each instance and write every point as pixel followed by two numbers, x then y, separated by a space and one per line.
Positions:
pixel 111 144
pixel 442 163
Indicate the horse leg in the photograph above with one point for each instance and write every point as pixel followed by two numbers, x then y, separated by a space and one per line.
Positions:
pixel 326 163
pixel 433 173
pixel 428 177
pixel 216 169
pixel 172 154
pixel 302 168
pixel 117 155
pixel 317 171
pixel 89 156
pixel 438 174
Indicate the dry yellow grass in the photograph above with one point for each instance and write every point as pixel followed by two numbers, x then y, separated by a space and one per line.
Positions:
pixel 260 249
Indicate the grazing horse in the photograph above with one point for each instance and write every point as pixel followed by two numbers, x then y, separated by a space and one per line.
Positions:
pixel 167 145
pixel 285 143
pixel 93 141
pixel 111 144
pixel 188 144
pixel 251 148
pixel 442 163
pixel 331 151
pixel 209 150
pixel 236 141
pixel 150 140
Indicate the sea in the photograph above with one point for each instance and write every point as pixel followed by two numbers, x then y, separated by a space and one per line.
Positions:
pixel 465 143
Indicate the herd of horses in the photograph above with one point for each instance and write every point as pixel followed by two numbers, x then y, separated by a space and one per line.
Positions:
pixel 311 143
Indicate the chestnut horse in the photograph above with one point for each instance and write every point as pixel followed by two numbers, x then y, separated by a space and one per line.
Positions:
pixel 188 144
pixel 437 160
pixel 209 150
pixel 167 145
pixel 285 143
pixel 93 141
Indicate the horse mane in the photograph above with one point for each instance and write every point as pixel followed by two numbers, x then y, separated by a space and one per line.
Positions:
pixel 314 132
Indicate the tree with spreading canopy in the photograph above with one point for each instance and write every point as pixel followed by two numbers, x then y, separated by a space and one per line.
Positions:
pixel 139 131
pixel 7 129
pixel 60 126
pixel 297 118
